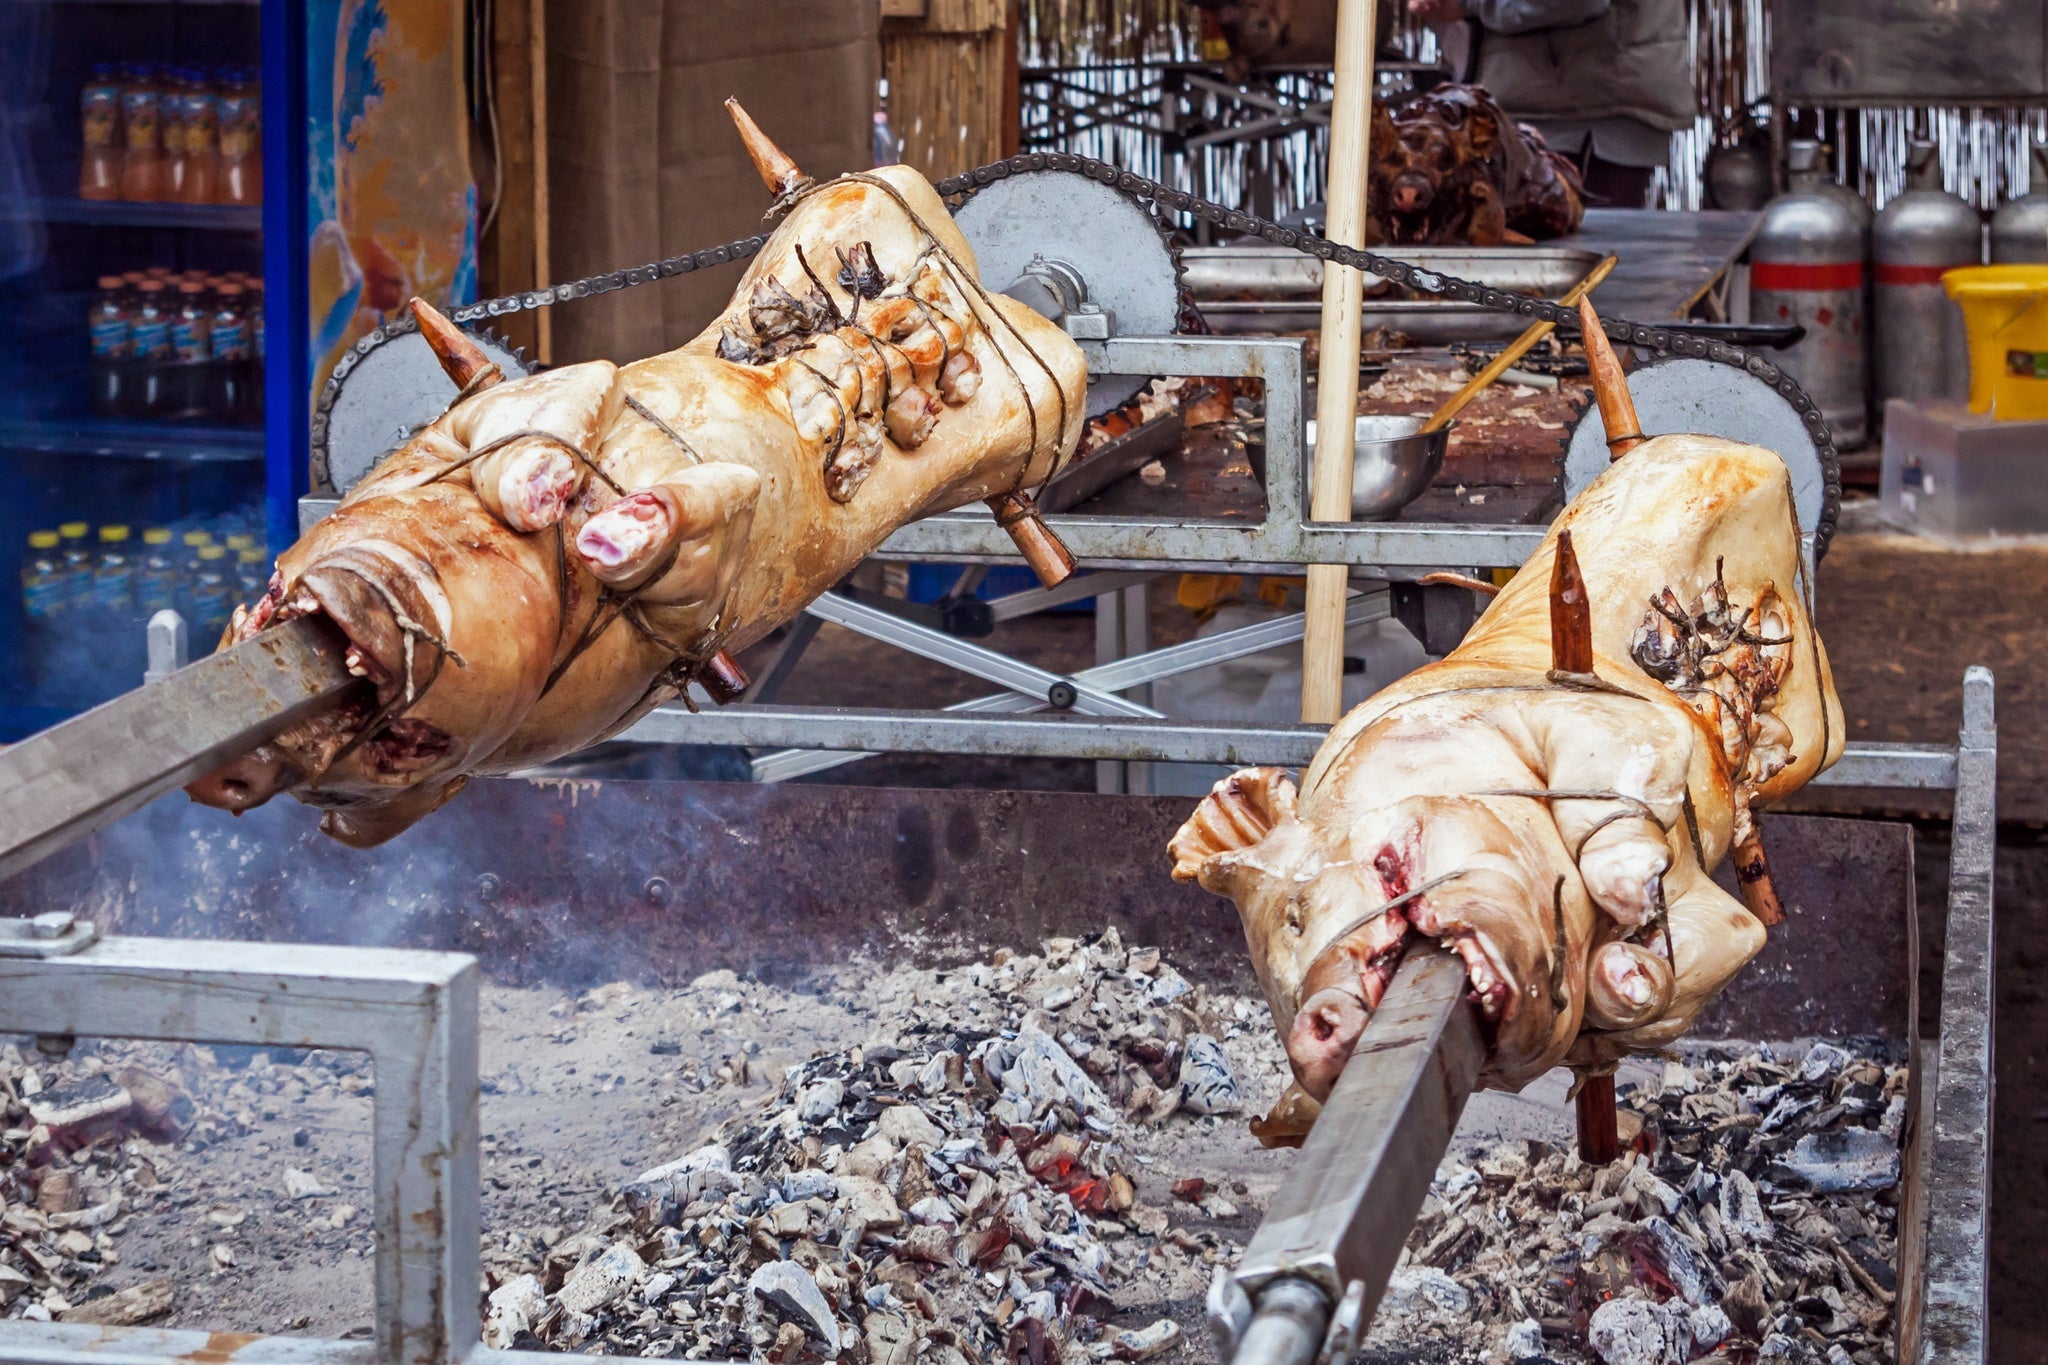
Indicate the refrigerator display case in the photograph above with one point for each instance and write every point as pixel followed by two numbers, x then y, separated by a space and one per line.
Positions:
pixel 131 335
pixel 171 278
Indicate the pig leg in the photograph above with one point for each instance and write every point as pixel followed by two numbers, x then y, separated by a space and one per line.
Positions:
pixel 528 441
pixel 1619 803
pixel 677 543
pixel 1627 985
pixel 1709 936
pixel 371 825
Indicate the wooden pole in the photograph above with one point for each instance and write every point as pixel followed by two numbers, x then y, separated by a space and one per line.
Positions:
pixel 543 248
pixel 1516 349
pixel 1322 652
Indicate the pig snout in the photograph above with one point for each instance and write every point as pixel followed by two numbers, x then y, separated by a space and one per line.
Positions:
pixel 1411 193
pixel 246 782
pixel 1325 1030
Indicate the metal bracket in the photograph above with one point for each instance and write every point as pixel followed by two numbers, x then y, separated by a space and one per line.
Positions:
pixel 54 933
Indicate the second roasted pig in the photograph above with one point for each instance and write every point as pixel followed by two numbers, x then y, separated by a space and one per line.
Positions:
pixel 1555 825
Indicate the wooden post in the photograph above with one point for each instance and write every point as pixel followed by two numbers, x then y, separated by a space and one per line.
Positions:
pixel 543 325
pixel 1322 651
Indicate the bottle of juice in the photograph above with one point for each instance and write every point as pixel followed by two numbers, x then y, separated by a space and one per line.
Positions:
pixel 113 578
pixel 142 154
pixel 212 596
pixel 192 348
pixel 230 352
pixel 111 348
pixel 241 150
pixel 156 576
pixel 74 561
pixel 43 604
pixel 251 575
pixel 170 123
pixel 149 338
pixel 202 141
pixel 99 107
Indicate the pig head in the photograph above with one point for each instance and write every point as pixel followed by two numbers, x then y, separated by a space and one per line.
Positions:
pixel 1450 167
pixel 1556 829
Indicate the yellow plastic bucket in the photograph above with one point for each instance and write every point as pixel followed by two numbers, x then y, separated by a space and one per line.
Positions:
pixel 2005 315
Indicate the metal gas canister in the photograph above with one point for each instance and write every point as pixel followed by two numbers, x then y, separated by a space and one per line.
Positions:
pixel 1807 267
pixel 2019 230
pixel 1918 337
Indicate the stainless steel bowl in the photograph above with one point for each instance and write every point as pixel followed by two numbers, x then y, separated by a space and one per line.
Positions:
pixel 1391 464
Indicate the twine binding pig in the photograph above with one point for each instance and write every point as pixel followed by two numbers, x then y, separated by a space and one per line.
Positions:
pixel 554 556
pixel 1550 799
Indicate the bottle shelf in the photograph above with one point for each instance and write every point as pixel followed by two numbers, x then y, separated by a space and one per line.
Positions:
pixel 122 213
pixel 135 439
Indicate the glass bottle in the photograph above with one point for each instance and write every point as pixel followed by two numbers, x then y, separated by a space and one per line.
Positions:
pixel 99 107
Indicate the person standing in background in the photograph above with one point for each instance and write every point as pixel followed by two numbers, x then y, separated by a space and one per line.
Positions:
pixel 1607 82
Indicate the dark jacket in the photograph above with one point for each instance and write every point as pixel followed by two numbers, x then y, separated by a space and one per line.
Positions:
pixel 1587 59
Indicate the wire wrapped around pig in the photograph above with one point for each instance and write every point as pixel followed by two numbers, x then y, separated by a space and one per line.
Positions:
pixel 1554 819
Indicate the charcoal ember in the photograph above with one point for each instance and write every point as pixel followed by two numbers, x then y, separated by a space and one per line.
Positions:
pixel 1839 1161
pixel 1639 1332
pixel 1206 1083
pixel 891 1339
pixel 78 1112
pixel 1524 1340
pixel 158 1109
pixel 787 1291
pixel 1671 1261
pixel 601 1280
pixel 658 1197
pixel 1144 1342
pixel 514 1308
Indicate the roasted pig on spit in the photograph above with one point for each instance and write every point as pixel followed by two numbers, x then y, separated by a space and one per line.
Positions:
pixel 556 555
pixel 1549 799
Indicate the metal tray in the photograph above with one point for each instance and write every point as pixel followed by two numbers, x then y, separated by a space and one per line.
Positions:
pixel 1285 289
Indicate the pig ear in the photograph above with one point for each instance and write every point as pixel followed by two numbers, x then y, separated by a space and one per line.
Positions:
pixel 1238 812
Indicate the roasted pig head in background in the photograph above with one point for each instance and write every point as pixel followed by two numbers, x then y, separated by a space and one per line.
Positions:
pixel 1550 798
pixel 1450 167
pixel 554 556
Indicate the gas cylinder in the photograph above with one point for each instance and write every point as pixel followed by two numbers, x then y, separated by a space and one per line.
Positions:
pixel 1918 332
pixel 1738 177
pixel 2019 230
pixel 1807 267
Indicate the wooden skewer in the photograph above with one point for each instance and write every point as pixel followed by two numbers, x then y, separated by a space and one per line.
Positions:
pixel 1322 646
pixel 1610 385
pixel 1498 366
pixel 465 362
pixel 462 360
pixel 778 171
pixel 1571 612
pixel 1599 1131
pixel 1753 879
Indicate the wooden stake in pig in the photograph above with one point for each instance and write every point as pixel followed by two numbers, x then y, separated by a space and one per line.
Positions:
pixel 1015 512
pixel 465 362
pixel 1571 656
pixel 1322 652
pixel 1625 433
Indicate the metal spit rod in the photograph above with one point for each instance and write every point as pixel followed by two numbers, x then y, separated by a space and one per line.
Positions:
pixel 1316 1268
pixel 79 777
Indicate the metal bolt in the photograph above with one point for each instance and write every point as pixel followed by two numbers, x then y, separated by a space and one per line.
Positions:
pixel 488 887
pixel 51 924
pixel 55 1046
pixel 1062 696
pixel 656 891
